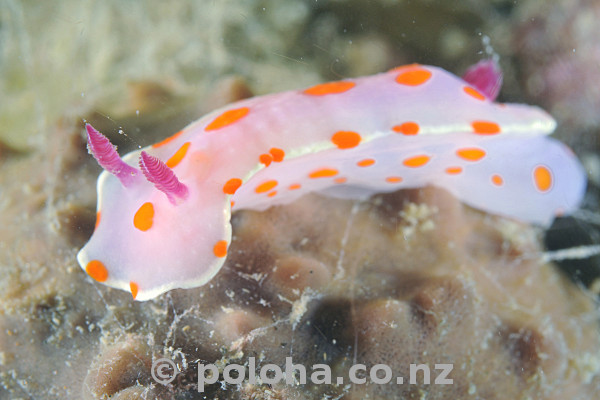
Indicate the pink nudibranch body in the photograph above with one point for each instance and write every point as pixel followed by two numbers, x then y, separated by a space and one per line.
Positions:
pixel 164 211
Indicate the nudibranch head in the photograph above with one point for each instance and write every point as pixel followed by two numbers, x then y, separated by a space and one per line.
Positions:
pixel 143 218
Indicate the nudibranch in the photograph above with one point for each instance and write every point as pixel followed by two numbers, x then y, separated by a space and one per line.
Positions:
pixel 163 214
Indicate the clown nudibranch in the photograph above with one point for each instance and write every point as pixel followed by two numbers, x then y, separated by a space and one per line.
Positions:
pixel 163 214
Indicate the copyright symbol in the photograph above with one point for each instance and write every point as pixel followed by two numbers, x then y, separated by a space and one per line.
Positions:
pixel 164 371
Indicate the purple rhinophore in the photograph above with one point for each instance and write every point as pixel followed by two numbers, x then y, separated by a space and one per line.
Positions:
pixel 163 178
pixel 485 76
pixel 106 154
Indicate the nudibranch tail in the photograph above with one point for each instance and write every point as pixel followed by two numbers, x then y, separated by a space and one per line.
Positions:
pixel 486 76
pixel 163 177
pixel 106 154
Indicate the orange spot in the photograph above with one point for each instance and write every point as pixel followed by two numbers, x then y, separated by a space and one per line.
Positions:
pixel 407 128
pixel 340 180
pixel 294 186
pixel 265 159
pixel 97 270
pixel 470 153
pixel 393 179
pixel 134 289
pixel 367 162
pixel 232 203
pixel 454 170
pixel 416 161
pixel 178 156
pixel 265 186
pixel 323 173
pixel 277 154
pixel 232 185
pixel 97 220
pixel 485 127
pixel 473 93
pixel 227 118
pixel 220 249
pixel 542 176
pixel 346 139
pixel 497 180
pixel 273 193
pixel 143 217
pixel 167 140
pixel 330 88
pixel 412 75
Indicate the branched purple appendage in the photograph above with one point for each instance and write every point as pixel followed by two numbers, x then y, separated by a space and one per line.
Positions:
pixel 485 76
pixel 105 153
pixel 163 178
